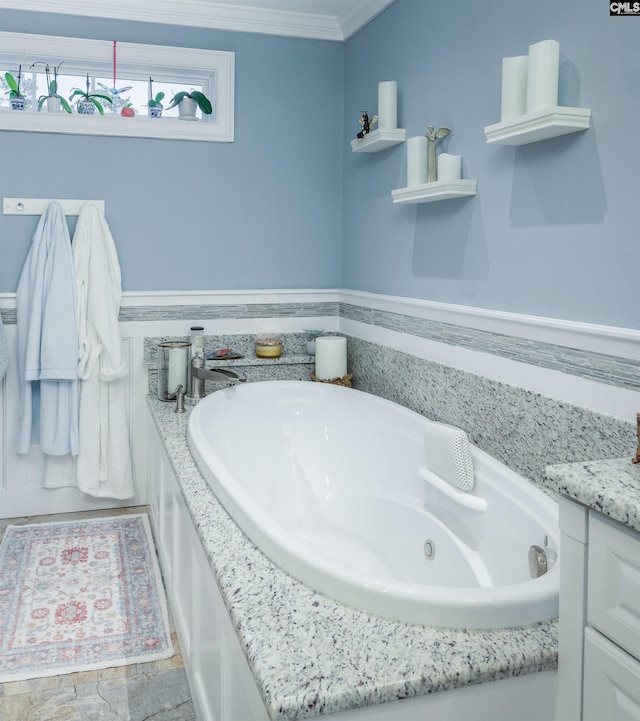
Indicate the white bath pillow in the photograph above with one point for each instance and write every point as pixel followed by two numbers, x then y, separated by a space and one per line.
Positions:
pixel 448 454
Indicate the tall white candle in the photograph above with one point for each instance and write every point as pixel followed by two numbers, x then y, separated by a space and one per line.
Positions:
pixel 331 357
pixel 449 167
pixel 514 87
pixel 417 154
pixel 177 373
pixel 388 104
pixel 542 76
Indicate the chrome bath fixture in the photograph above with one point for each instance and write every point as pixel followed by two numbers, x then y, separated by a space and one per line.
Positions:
pixel 537 561
pixel 200 374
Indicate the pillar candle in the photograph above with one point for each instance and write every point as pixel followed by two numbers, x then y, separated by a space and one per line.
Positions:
pixel 514 87
pixel 542 75
pixel 417 153
pixel 449 167
pixel 331 357
pixel 177 373
pixel 388 104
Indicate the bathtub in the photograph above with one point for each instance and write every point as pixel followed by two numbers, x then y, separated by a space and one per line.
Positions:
pixel 326 482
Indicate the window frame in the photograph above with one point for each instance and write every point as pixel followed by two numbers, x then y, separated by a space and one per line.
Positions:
pixel 214 68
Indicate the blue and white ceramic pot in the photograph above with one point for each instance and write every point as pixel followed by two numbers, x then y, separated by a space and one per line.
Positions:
pixel 86 107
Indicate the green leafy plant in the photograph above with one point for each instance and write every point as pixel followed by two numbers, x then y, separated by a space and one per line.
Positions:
pixel 157 101
pixel 14 85
pixel 201 99
pixel 95 98
pixel 52 86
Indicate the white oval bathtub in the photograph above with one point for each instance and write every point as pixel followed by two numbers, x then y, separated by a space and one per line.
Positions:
pixel 324 480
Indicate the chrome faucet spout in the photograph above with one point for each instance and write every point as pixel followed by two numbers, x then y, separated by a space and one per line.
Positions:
pixel 200 374
pixel 219 375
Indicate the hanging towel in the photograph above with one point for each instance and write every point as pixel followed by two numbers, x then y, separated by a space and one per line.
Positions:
pixel 48 341
pixel 104 460
pixel 4 351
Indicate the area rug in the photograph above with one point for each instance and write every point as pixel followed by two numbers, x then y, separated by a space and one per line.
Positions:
pixel 79 596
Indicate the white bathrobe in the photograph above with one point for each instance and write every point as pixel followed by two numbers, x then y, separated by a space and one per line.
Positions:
pixel 48 340
pixel 104 458
pixel 4 351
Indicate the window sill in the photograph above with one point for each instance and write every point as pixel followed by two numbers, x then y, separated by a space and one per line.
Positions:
pixel 114 125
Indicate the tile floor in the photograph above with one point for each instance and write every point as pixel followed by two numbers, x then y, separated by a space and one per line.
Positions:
pixel 156 691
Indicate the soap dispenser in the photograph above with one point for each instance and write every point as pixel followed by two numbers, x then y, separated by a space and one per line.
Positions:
pixel 196 386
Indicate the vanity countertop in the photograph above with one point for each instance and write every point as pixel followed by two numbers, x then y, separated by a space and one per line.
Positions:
pixel 610 486
pixel 311 655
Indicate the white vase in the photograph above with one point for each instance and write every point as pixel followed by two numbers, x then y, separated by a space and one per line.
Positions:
pixel 53 105
pixel 187 109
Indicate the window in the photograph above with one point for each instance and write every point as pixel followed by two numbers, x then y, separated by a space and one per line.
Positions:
pixel 171 70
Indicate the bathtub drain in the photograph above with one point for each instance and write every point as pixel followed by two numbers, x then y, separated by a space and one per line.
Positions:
pixel 429 550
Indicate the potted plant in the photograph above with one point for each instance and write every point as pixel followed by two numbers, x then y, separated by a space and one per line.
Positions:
pixel 155 105
pixel 88 102
pixel 53 100
pixel 188 103
pixel 16 98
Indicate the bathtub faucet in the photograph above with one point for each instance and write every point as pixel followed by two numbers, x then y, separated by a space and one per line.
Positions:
pixel 200 374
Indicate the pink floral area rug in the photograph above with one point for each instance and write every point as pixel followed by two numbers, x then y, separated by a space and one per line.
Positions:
pixel 79 596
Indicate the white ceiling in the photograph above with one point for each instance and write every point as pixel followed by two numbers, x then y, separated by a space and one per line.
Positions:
pixel 321 19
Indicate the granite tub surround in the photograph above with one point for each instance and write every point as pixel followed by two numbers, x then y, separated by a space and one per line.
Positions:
pixel 294 363
pixel 310 655
pixel 610 486
pixel 525 430
pixel 294 347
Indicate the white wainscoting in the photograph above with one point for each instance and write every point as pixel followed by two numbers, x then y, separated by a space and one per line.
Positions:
pixel 607 340
pixel 20 476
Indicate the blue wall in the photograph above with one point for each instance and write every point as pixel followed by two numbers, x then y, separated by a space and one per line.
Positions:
pixel 262 212
pixel 555 227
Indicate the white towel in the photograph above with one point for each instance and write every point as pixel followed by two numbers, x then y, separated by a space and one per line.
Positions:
pixel 47 340
pixel 4 351
pixel 104 459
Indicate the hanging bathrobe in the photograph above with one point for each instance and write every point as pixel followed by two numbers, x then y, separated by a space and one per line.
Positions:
pixel 104 460
pixel 48 341
pixel 4 351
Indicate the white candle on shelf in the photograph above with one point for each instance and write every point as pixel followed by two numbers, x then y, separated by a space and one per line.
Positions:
pixel 388 104
pixel 417 153
pixel 331 357
pixel 177 372
pixel 542 75
pixel 514 87
pixel 449 167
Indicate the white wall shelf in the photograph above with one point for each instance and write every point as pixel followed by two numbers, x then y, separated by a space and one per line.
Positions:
pixel 378 140
pixel 541 125
pixel 437 190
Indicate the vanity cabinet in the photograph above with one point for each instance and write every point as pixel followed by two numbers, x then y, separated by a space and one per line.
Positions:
pixel 599 633
pixel 221 683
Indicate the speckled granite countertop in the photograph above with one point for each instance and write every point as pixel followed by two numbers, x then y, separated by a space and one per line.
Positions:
pixel 311 655
pixel 611 487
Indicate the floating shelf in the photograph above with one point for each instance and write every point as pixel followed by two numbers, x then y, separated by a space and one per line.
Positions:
pixel 438 190
pixel 543 124
pixel 378 140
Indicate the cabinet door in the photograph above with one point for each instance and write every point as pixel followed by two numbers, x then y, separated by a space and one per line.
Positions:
pixel 611 681
pixel 614 581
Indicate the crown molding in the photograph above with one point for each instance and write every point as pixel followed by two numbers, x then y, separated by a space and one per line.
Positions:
pixel 221 16
pixel 358 13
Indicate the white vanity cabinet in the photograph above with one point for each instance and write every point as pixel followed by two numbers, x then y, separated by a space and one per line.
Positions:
pixel 221 682
pixel 599 632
